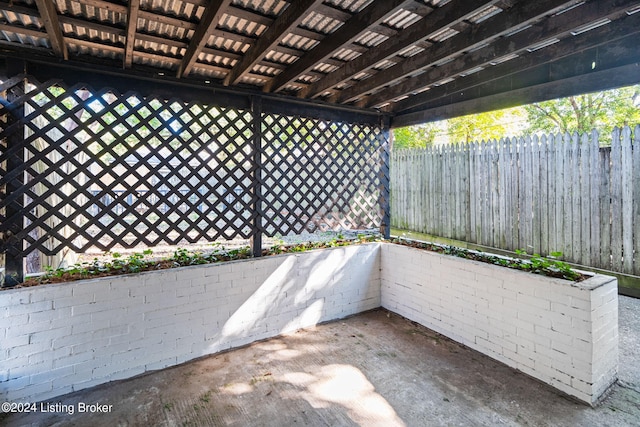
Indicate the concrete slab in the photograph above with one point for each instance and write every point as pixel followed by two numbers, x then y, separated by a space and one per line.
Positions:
pixel 374 369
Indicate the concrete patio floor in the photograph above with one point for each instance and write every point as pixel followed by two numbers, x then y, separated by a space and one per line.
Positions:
pixel 374 369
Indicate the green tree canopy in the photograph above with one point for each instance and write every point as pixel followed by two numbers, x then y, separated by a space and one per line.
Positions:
pixel 478 127
pixel 418 136
pixel 600 110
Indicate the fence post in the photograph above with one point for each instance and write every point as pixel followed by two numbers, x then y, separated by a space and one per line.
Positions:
pixel 256 166
pixel 385 179
pixel 13 196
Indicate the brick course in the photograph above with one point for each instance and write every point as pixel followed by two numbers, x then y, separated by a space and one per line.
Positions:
pixel 66 337
pixel 562 333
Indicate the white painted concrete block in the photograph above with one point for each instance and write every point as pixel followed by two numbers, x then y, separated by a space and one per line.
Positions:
pixel 156 319
pixel 554 320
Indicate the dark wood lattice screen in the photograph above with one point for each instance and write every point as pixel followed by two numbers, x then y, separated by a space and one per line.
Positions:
pixel 319 175
pixel 82 168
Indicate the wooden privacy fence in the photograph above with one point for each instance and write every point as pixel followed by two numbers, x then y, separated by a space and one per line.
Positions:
pixel 542 194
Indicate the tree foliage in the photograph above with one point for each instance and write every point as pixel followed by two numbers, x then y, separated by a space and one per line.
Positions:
pixel 600 110
pixel 477 127
pixel 418 136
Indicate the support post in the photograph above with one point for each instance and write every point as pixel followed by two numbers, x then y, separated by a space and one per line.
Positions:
pixel 385 178
pixel 256 229
pixel 15 134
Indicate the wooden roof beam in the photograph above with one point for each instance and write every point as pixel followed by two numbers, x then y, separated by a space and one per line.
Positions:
pixel 558 26
pixel 106 5
pixel 31 32
pixel 132 26
pixel 49 17
pixel 371 15
pixel 442 17
pixel 107 28
pixel 290 18
pixel 419 8
pixel 249 15
pixel 625 28
pixel 25 10
pixel 208 22
pixel 165 19
pixel 557 79
pixel 520 14
pixel 332 12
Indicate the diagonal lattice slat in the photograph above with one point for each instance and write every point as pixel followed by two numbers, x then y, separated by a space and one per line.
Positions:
pixel 105 169
pixel 319 175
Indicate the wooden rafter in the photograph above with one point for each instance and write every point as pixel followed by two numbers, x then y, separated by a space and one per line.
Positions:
pixel 627 28
pixel 449 14
pixel 23 30
pixel 196 2
pixel 290 18
pixel 560 78
pixel 249 15
pixel 520 14
pixel 49 17
pixel 466 68
pixel 109 29
pixel 166 19
pixel 25 10
pixel 182 45
pixel 384 30
pixel 331 12
pixel 376 12
pixel 208 22
pixel 106 5
pixel 132 24
pixel 94 45
pixel 419 8
pixel 162 41
pixel 555 27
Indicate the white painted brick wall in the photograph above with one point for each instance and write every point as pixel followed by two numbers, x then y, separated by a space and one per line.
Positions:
pixel 560 333
pixel 56 339
pixel 60 338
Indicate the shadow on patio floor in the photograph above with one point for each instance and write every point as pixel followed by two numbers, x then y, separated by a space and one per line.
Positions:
pixel 374 369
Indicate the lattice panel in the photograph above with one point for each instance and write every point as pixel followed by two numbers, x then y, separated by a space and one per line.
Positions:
pixel 105 169
pixel 319 175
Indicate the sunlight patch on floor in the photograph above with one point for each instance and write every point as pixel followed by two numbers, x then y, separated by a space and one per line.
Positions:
pixel 347 386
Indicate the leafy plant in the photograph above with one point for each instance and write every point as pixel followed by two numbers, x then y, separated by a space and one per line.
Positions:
pixel 549 266
pixel 139 261
pixel 183 257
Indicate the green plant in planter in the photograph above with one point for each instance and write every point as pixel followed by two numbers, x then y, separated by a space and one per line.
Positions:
pixel 239 253
pixel 182 257
pixel 550 264
pixel 136 262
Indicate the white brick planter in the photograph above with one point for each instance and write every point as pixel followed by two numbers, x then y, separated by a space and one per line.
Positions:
pixel 563 333
pixel 55 339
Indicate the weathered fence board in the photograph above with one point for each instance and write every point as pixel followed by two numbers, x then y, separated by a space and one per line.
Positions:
pixel 605 210
pixel 636 198
pixel 594 197
pixel 616 203
pixel 542 194
pixel 627 200
pixel 568 188
pixel 542 200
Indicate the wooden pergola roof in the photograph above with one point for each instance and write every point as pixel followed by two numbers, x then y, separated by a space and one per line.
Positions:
pixel 416 60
